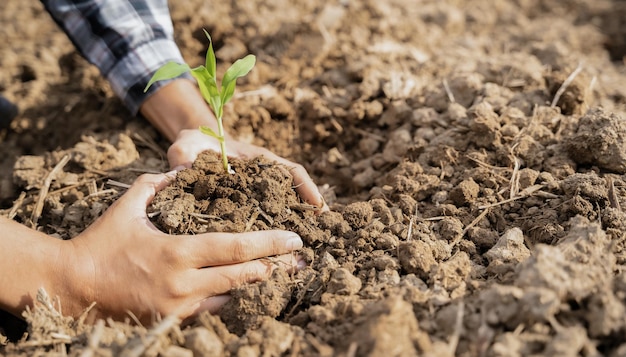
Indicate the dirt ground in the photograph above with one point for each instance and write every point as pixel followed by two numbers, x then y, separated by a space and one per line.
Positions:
pixel 473 154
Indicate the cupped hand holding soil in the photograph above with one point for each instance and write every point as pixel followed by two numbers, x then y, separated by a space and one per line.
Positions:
pixel 190 143
pixel 123 263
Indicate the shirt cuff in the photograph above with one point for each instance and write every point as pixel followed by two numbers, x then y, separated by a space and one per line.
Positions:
pixel 131 74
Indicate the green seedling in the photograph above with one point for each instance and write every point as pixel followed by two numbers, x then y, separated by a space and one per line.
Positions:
pixel 215 96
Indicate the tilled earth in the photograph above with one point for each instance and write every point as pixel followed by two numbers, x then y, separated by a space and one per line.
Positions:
pixel 472 153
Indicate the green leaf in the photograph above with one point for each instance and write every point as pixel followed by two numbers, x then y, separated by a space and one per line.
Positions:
pixel 208 86
pixel 210 132
pixel 240 68
pixel 228 92
pixel 211 64
pixel 167 71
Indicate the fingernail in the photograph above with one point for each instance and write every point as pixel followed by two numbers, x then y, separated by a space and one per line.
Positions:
pixel 171 174
pixel 301 264
pixel 322 203
pixel 294 243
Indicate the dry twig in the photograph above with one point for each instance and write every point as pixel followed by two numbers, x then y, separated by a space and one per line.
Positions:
pixel 300 298
pixel 252 220
pixel 118 184
pixel 352 349
pixel 613 198
pixel 143 171
pixel 84 314
pixel 446 86
pixel 94 339
pixel 203 218
pixel 43 193
pixel 469 226
pixel 491 167
pixel 102 193
pixel 409 233
pixel 523 194
pixel 304 207
pixel 139 348
pixel 566 84
pixel 44 299
pixel 16 205
pixel 514 179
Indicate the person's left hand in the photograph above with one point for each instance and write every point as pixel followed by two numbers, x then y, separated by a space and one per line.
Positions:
pixel 191 142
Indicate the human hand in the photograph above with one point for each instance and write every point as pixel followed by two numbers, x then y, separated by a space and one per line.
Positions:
pixel 125 263
pixel 191 142
pixel 178 109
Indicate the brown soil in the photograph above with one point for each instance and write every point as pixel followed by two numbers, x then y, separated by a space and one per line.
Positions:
pixel 473 154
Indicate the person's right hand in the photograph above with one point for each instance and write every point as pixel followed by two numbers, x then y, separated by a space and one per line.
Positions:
pixel 123 263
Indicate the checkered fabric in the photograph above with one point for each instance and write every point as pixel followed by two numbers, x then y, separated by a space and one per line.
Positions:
pixel 128 40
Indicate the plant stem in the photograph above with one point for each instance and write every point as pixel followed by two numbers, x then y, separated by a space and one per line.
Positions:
pixel 222 139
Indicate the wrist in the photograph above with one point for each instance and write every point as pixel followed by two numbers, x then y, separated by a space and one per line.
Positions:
pixel 31 260
pixel 177 106
pixel 73 278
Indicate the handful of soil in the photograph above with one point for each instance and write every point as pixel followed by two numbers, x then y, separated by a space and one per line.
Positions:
pixel 205 198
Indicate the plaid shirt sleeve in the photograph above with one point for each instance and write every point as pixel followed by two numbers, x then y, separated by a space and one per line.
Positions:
pixel 128 40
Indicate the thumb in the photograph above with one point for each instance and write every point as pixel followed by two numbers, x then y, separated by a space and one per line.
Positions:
pixel 188 144
pixel 180 155
pixel 142 191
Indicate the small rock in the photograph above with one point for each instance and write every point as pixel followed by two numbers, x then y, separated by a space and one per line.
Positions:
pixel 600 140
pixel 176 351
pixel 416 257
pixel 358 214
pixel 508 252
pixel 464 193
pixel 343 282
pixel 203 342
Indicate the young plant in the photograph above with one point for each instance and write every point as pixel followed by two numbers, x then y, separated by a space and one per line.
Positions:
pixel 215 96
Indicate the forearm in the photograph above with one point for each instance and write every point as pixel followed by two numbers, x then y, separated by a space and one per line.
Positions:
pixel 178 106
pixel 29 260
pixel 128 42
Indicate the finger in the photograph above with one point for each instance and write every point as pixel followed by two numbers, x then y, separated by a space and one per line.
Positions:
pixel 211 304
pixel 188 145
pixel 212 249
pixel 220 280
pixel 303 183
pixel 306 188
pixel 214 303
pixel 142 191
pixel 178 155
